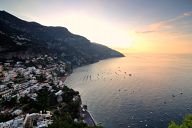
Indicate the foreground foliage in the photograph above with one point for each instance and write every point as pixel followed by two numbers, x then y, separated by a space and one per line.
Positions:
pixel 63 122
pixel 187 123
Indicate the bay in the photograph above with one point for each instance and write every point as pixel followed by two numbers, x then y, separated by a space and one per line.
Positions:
pixel 136 91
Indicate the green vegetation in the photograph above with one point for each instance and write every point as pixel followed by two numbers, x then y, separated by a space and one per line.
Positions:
pixel 186 123
pixel 5 117
pixel 41 78
pixel 8 103
pixel 19 79
pixel 45 99
pixel 64 120
pixel 64 111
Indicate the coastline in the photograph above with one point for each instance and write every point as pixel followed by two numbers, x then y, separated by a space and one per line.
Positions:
pixel 87 118
pixel 84 113
pixel 63 79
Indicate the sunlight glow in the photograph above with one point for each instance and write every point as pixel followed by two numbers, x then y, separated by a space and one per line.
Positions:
pixel 127 32
pixel 98 30
pixel 95 29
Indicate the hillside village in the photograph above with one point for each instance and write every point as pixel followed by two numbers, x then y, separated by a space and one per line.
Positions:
pixel 33 94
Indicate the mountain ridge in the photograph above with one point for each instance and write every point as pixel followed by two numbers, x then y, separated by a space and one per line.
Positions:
pixel 20 38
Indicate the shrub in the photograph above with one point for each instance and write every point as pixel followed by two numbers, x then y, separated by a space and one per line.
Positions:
pixel 186 123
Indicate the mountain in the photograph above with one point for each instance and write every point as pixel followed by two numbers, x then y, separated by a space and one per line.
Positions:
pixel 19 38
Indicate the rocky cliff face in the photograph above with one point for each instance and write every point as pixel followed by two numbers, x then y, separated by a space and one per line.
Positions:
pixel 19 38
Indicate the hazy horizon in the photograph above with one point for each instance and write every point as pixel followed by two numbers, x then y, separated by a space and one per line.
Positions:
pixel 139 26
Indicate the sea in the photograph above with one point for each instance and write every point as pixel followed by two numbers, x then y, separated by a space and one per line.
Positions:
pixel 136 91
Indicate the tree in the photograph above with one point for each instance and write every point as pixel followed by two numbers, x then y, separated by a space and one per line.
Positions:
pixel 9 103
pixel 5 117
pixel 186 123
pixel 45 99
pixel 41 78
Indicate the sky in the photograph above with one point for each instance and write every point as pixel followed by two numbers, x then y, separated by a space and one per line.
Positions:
pixel 158 26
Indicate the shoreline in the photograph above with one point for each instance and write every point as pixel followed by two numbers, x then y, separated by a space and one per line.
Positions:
pixel 87 117
pixel 63 79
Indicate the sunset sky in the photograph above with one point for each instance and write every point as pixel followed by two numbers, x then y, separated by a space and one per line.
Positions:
pixel 161 26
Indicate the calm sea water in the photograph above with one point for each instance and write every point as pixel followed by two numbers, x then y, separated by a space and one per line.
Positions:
pixel 136 91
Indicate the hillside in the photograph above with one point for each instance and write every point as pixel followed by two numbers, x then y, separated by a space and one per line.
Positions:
pixel 23 39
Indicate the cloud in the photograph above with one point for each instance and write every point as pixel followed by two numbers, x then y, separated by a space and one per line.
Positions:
pixel 188 14
pixel 147 31
pixel 179 23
